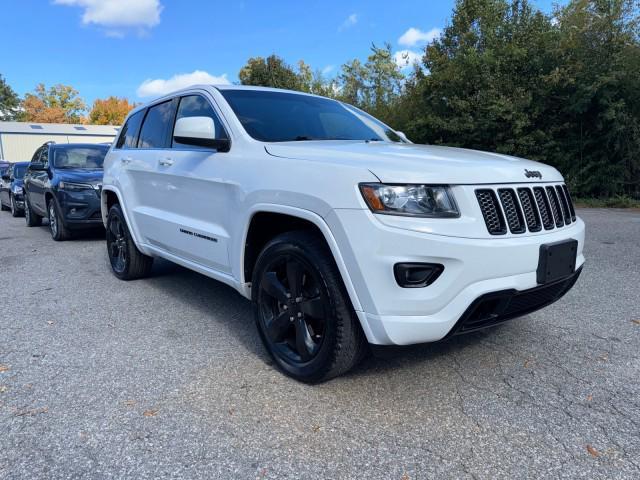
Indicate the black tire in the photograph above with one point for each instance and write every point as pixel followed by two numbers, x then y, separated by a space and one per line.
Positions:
pixel 127 262
pixel 32 219
pixel 315 336
pixel 14 209
pixel 57 228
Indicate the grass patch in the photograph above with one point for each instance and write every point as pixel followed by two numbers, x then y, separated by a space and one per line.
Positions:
pixel 620 201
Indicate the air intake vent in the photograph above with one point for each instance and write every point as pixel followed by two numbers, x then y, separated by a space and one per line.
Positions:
pixel 571 208
pixel 531 214
pixel 543 207
pixel 555 206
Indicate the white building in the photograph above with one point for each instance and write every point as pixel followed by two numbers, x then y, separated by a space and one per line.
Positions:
pixel 19 140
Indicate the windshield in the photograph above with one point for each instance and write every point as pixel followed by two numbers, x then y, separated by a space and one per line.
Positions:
pixel 79 157
pixel 284 117
pixel 19 170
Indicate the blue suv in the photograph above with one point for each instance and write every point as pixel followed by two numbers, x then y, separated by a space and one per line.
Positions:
pixel 63 183
pixel 11 192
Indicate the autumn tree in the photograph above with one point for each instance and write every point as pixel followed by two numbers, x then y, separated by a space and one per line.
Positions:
pixel 110 111
pixel 58 104
pixel 9 101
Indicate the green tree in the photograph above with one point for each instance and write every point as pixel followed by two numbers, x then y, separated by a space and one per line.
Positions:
pixel 272 71
pixel 9 101
pixel 59 103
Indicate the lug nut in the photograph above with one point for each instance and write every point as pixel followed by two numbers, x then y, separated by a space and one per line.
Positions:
pixel 299 314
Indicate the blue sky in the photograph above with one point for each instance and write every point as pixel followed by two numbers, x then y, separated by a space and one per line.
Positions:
pixel 136 48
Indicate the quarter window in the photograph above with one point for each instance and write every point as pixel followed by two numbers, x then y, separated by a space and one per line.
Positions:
pixel 198 106
pixel 156 125
pixel 129 134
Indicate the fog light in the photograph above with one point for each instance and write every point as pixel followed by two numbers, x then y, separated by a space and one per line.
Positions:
pixel 417 275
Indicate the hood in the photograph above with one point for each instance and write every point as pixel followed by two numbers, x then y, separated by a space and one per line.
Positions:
pixel 410 163
pixel 80 175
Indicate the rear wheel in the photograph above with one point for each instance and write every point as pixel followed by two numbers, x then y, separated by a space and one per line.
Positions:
pixel 30 217
pixel 302 310
pixel 58 231
pixel 127 262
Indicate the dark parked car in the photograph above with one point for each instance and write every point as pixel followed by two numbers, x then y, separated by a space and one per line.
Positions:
pixel 63 182
pixel 11 188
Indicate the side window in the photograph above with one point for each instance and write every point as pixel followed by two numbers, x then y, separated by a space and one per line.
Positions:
pixel 129 133
pixel 156 126
pixel 198 106
pixel 36 156
pixel 44 158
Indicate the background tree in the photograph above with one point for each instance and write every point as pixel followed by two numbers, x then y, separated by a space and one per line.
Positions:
pixel 272 71
pixel 58 104
pixel 9 101
pixel 110 111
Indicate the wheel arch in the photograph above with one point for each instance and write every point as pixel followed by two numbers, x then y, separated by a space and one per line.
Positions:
pixel 279 219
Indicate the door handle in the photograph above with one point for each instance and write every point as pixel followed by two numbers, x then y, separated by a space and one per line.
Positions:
pixel 126 160
pixel 165 162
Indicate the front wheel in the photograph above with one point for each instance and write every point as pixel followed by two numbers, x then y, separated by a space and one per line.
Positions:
pixel 14 208
pixel 302 310
pixel 58 231
pixel 32 219
pixel 127 262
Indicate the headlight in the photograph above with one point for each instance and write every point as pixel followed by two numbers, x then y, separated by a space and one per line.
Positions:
pixel 74 187
pixel 410 200
pixel 18 190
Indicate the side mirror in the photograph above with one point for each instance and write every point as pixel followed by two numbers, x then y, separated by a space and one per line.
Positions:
pixel 199 131
pixel 36 167
pixel 403 136
pixel 6 177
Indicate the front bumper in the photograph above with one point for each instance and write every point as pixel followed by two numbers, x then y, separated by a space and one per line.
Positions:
pixel 474 267
pixel 80 209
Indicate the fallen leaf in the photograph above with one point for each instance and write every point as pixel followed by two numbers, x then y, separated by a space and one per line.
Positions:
pixel 592 451
pixel 315 428
pixel 231 411
pixel 150 413
pixel 3 388
pixel 637 322
pixel 49 322
pixel 4 368
pixel 129 403
pixel 589 398
pixel 604 357
pixel 528 363
pixel 405 476
pixel 31 412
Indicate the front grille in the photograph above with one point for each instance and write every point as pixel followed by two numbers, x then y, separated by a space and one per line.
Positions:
pixel 530 209
pixel 491 212
pixel 494 308
pixel 512 210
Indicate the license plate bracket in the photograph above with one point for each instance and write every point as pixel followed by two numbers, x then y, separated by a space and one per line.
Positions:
pixel 557 260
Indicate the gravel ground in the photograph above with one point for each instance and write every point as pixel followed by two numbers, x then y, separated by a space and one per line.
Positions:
pixel 166 378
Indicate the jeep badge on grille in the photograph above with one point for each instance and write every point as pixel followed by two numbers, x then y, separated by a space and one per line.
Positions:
pixel 532 174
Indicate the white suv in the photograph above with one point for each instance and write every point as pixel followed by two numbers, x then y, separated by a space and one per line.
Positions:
pixel 339 229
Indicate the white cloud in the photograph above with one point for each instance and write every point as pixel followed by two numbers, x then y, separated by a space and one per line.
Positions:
pixel 118 14
pixel 407 58
pixel 160 86
pixel 350 21
pixel 413 36
pixel 328 69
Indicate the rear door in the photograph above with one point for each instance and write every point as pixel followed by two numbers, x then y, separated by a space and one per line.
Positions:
pixel 36 180
pixel 195 202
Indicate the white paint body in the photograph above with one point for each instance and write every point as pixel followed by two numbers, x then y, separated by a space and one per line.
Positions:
pixel 216 195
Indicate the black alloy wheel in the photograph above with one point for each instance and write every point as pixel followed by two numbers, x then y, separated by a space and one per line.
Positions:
pixel 14 208
pixel 127 262
pixel 302 310
pixel 58 230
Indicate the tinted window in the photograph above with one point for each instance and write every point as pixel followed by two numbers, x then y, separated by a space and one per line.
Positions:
pixel 156 126
pixel 19 171
pixel 283 117
pixel 44 156
pixel 79 157
pixel 36 156
pixel 197 106
pixel 129 134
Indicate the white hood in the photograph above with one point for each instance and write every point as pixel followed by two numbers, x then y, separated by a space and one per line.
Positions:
pixel 410 163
